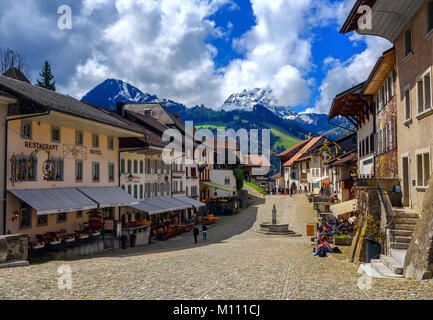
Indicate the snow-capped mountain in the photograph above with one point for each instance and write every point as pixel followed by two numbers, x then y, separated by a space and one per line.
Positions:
pixel 248 99
pixel 111 91
pixel 304 118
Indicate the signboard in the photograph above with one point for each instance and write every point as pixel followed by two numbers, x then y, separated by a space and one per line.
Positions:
pixel 95 152
pixel 310 230
pixel 41 146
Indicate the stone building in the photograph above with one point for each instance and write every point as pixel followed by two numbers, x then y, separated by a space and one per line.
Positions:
pixel 408 25
pixel 359 110
pixel 381 85
pixel 62 162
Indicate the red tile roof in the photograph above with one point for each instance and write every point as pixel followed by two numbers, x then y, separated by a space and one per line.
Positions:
pixel 277 176
pixel 299 144
pixel 308 146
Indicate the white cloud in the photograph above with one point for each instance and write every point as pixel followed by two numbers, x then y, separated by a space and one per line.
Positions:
pixel 343 75
pixel 161 47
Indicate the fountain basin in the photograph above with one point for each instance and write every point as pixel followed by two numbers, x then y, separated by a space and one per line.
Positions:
pixel 270 227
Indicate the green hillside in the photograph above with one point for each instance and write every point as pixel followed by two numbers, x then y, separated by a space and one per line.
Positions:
pixel 283 140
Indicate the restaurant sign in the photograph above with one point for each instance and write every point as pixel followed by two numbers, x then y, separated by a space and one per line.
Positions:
pixel 40 146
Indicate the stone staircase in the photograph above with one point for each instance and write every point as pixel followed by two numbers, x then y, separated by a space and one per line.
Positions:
pixel 399 236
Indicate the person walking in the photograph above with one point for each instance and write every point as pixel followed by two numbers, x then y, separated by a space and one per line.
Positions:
pixel 204 232
pixel 196 233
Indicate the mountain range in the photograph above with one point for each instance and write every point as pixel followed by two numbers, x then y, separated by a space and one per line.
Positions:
pixel 249 109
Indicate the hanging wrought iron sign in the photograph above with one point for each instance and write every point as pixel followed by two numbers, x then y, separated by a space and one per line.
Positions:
pixel 74 152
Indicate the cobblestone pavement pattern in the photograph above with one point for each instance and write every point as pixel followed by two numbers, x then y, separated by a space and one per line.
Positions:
pixel 235 263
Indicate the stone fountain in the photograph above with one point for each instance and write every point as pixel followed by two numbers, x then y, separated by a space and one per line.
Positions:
pixel 275 228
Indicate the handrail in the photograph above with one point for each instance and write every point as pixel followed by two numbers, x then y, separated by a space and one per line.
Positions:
pixel 256 182
pixel 388 207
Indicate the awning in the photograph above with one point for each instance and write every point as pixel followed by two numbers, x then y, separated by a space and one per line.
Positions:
pixel 195 203
pixel 147 207
pixel 49 201
pixel 166 206
pixel 320 179
pixel 344 208
pixel 180 205
pixel 108 197
pixel 219 186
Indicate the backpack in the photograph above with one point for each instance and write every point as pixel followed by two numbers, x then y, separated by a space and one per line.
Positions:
pixel 336 250
pixel 321 253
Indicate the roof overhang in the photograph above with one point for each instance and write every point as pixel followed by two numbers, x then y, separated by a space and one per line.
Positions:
pixel 83 124
pixel 388 17
pixel 350 103
pixel 383 67
pixel 6 98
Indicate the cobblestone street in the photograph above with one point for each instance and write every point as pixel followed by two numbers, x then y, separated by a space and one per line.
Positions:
pixel 235 263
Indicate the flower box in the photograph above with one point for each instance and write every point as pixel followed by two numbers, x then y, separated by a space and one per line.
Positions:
pixel 69 240
pixel 53 243
pixel 95 234
pixel 84 236
pixel 40 246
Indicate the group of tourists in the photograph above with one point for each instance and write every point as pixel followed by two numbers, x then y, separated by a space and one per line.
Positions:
pixel 327 229
pixel 332 226
pixel 285 191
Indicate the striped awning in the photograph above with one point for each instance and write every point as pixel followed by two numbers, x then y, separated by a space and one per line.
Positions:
pixel 195 203
pixel 149 208
pixel 109 197
pixel 49 201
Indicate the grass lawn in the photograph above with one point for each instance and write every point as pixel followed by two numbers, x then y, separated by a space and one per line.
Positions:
pixel 209 126
pixel 259 189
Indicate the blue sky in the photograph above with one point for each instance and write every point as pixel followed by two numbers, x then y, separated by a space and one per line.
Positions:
pixel 195 51
pixel 327 41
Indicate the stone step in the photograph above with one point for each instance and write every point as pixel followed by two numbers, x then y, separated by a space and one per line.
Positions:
pixel 401 233
pixel 383 270
pixel 398 255
pixel 406 214
pixel 402 239
pixel 405 221
pixel 404 226
pixel 399 245
pixel 392 264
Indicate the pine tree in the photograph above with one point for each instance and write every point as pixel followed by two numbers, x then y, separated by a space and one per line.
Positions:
pixel 47 76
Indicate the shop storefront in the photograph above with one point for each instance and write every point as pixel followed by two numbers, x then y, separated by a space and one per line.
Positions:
pixel 167 216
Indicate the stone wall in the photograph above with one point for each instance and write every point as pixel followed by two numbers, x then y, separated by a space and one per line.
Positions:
pixel 368 204
pixel 14 248
pixel 419 258
pixel 62 252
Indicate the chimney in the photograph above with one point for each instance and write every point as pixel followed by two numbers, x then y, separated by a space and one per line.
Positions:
pixel 120 108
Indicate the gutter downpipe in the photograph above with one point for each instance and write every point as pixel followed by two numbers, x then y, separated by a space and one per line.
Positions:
pixel 6 158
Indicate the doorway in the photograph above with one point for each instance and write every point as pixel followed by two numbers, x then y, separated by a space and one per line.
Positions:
pixel 406 181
